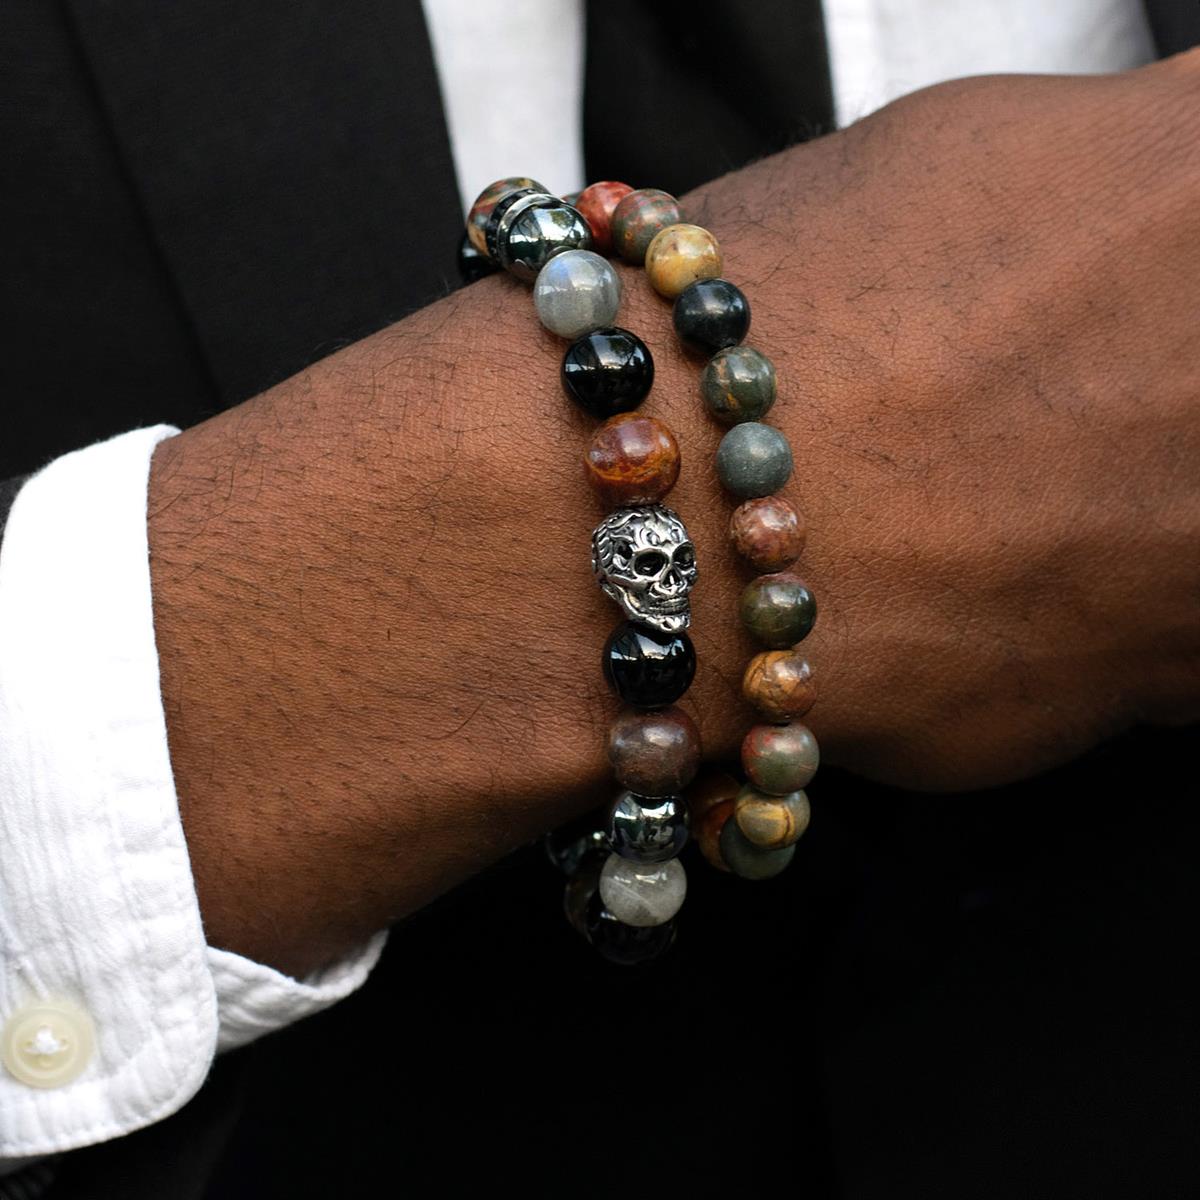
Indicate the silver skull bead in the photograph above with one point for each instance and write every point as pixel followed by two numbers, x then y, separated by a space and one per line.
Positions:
pixel 644 559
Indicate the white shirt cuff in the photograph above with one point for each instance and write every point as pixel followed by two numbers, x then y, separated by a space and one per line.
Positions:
pixel 97 906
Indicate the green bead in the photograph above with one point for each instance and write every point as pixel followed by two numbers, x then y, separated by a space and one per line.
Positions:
pixel 746 859
pixel 738 385
pixel 778 609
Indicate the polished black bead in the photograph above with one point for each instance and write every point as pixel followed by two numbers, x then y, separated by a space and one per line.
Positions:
pixel 648 668
pixel 471 264
pixel 608 371
pixel 711 314
pixel 625 945
pixel 648 830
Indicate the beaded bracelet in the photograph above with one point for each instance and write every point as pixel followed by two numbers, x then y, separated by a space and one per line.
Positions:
pixel 625 882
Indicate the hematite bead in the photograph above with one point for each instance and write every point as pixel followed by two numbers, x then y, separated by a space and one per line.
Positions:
pixel 754 460
pixel 710 315
pixel 632 459
pixel 779 684
pixel 598 202
pixel 779 759
pixel 767 532
pixel 771 822
pixel 778 609
pixel 526 229
pixel 738 385
pixel 638 217
pixel 642 893
pixel 747 860
pixel 575 292
pixel 486 201
pixel 647 668
pixel 679 255
pixel 625 945
pixel 473 264
pixel 608 371
pixel 647 829
pixel 654 753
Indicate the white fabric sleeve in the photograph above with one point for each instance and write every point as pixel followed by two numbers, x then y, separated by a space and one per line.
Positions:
pixel 99 919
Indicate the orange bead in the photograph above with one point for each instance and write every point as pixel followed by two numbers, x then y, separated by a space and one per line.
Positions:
pixel 632 459
pixel 707 832
pixel 779 684
pixel 598 202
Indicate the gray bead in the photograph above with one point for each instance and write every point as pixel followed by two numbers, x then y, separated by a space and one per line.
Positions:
pixel 577 291
pixel 747 860
pixel 642 893
pixel 528 228
pixel 754 460
pixel 647 830
pixel 738 385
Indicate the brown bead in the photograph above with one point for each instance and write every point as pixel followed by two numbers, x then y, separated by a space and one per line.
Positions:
pixel 633 459
pixel 598 202
pixel 707 832
pixel 638 217
pixel 771 822
pixel 678 256
pixel 767 532
pixel 708 789
pixel 654 753
pixel 779 684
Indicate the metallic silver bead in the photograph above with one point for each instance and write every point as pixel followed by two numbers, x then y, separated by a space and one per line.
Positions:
pixel 644 560
pixel 648 830
pixel 527 228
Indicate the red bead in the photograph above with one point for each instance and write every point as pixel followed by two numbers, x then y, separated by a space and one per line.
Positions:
pixel 633 459
pixel 597 202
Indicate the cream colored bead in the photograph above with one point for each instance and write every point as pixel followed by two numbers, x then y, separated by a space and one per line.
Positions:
pixel 771 822
pixel 678 256
pixel 47 1044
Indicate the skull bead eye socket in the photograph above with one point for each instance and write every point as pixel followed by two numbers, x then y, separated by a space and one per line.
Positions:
pixel 685 556
pixel 649 562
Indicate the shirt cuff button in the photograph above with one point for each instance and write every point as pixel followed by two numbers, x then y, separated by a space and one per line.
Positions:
pixel 47 1044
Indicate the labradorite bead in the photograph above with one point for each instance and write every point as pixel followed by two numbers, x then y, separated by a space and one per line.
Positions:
pixel 481 210
pixel 738 385
pixel 779 759
pixel 625 945
pixel 598 202
pixel 654 753
pixel 638 217
pixel 710 315
pixel 642 893
pixel 575 292
pixel 778 609
pixel 767 532
pixel 473 264
pixel 647 829
pixel 608 371
pixel 632 459
pixel 647 668
pixel 679 255
pixel 754 460
pixel 771 822
pixel 779 684
pixel 749 861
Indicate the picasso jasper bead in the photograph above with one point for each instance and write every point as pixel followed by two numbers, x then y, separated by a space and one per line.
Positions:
pixel 646 668
pixel 638 217
pixel 608 371
pixel 486 201
pixel 647 829
pixel 527 229
pixel 598 202
pixel 771 822
pixel 642 894
pixel 754 460
pixel 767 532
pixel 749 861
pixel 779 759
pixel 779 684
pixel 679 255
pixel 575 292
pixel 654 753
pixel 706 830
pixel 778 609
pixel 710 315
pixel 632 459
pixel 738 385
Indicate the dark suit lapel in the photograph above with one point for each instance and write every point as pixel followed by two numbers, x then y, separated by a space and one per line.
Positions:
pixel 1175 24
pixel 292 160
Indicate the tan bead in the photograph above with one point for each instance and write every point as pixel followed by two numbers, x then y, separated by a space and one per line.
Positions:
pixel 779 684
pixel 771 822
pixel 678 256
pixel 707 832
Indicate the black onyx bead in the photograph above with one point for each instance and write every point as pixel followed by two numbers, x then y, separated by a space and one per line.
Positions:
pixel 608 371
pixel 471 264
pixel 625 945
pixel 711 314
pixel 648 668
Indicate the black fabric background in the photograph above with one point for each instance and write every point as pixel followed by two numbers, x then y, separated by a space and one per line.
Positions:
pixel 967 996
